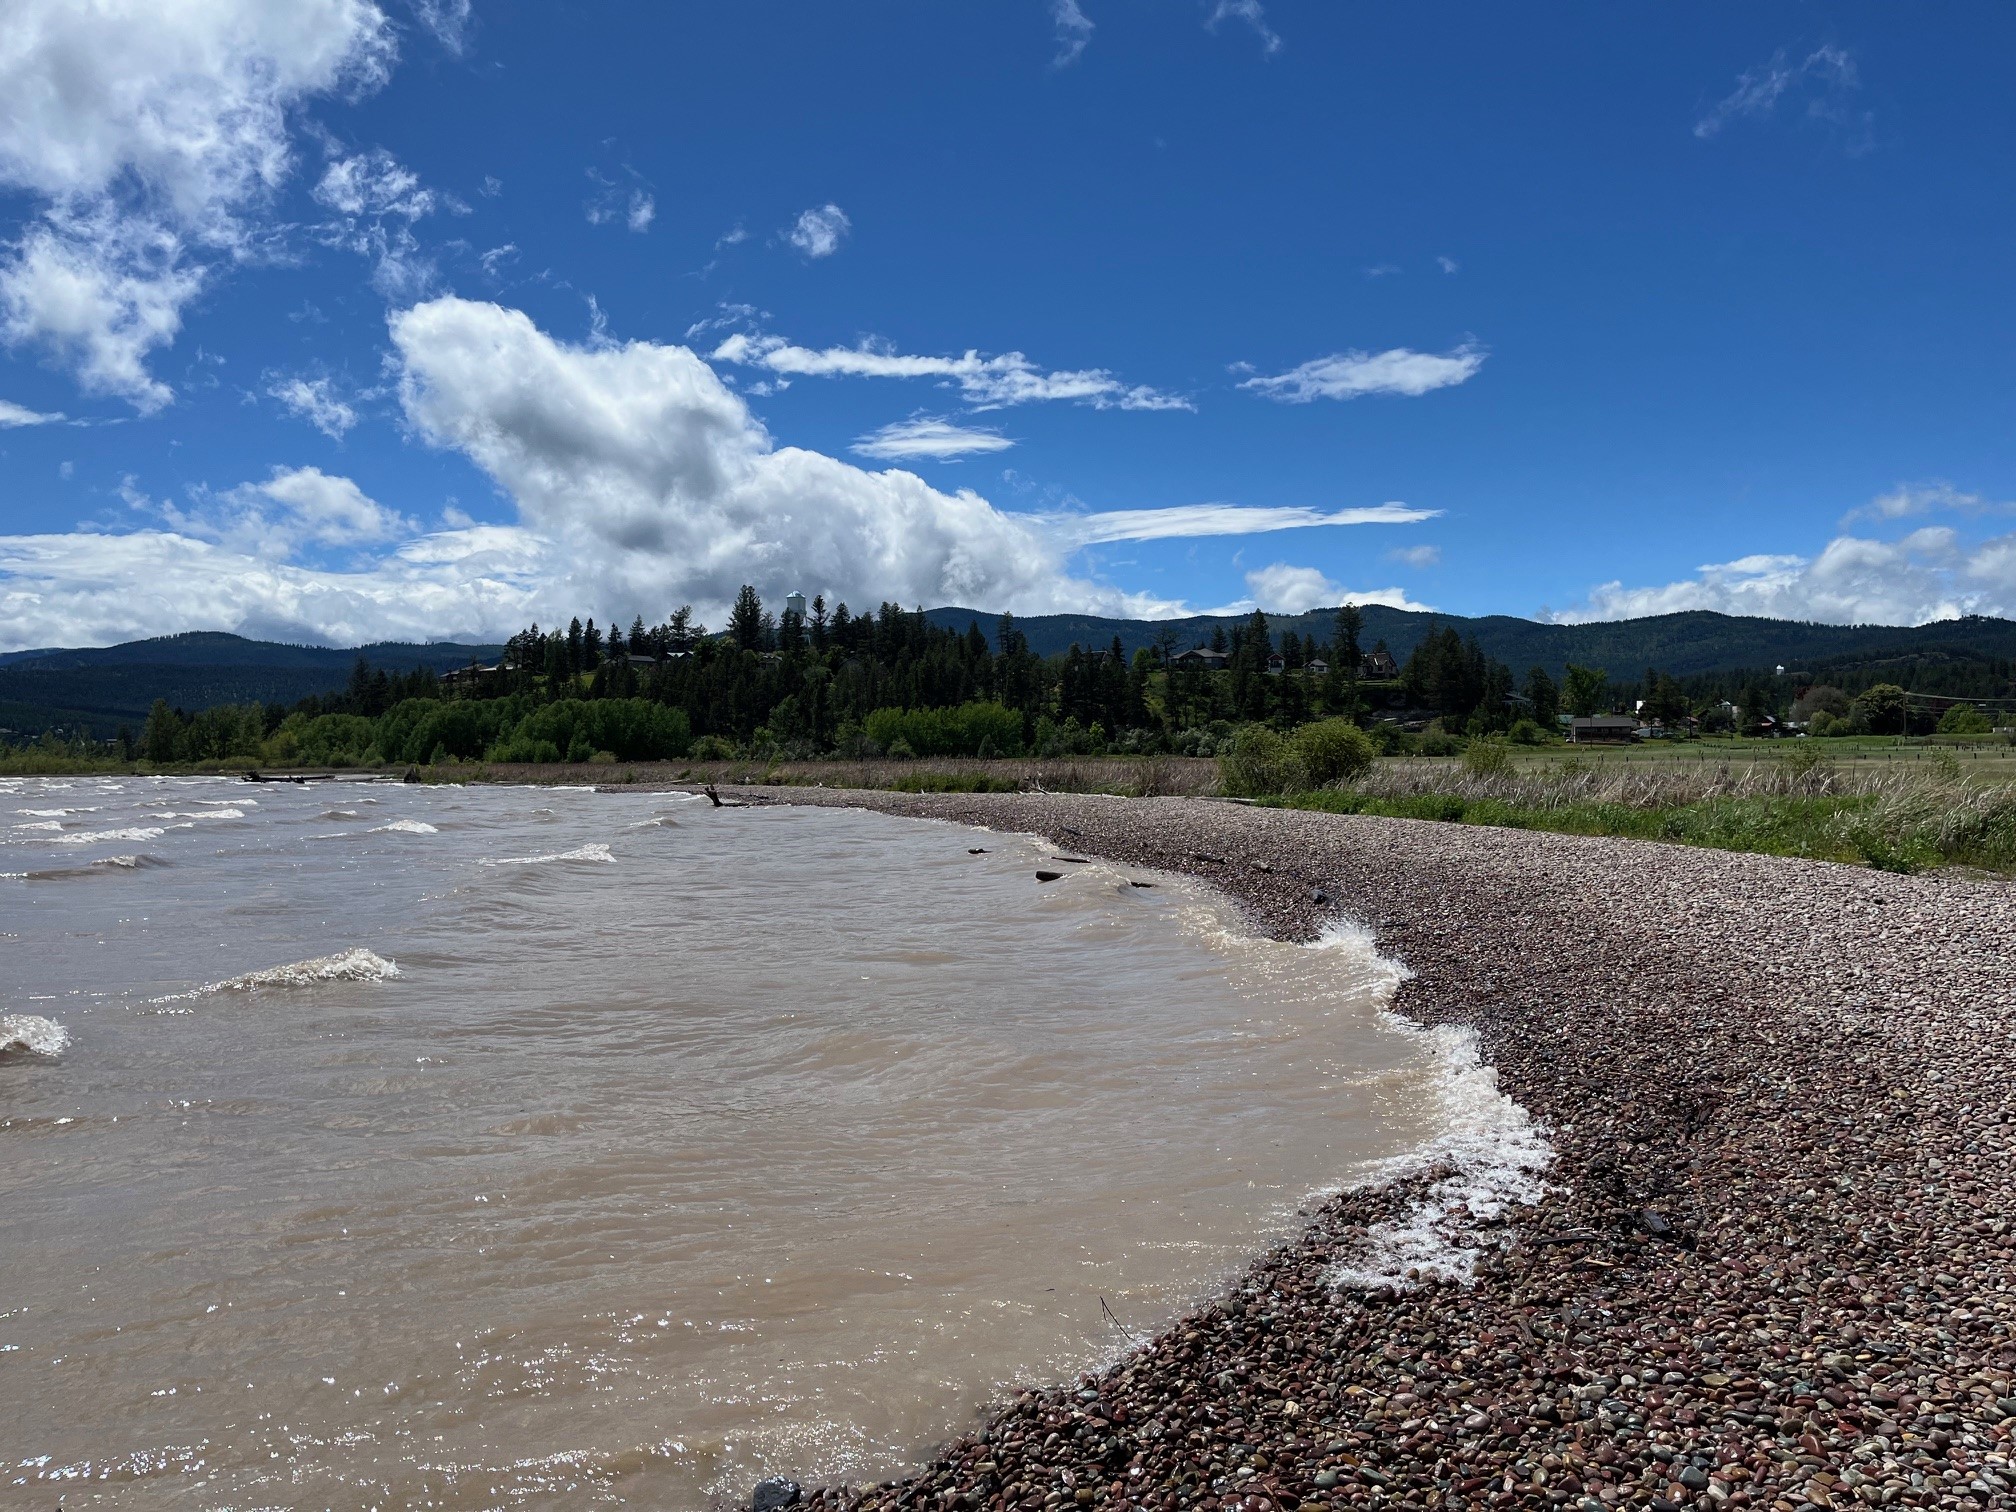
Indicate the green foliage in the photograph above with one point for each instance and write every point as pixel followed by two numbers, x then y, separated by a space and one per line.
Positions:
pixel 972 729
pixel 1525 732
pixel 1586 693
pixel 712 748
pixel 1487 757
pixel 1964 719
pixel 1332 751
pixel 1880 710
pixel 1261 764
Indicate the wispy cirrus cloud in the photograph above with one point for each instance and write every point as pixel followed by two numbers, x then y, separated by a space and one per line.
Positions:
pixel 1825 79
pixel 1074 31
pixel 1354 374
pixel 14 416
pixel 930 436
pixel 985 382
pixel 1254 15
pixel 1186 520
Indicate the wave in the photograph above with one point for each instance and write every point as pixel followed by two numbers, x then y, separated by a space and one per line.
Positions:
pixel 98 868
pixel 62 813
pixel 33 1033
pixel 580 853
pixel 1491 1156
pixel 406 827
pixel 42 824
pixel 657 821
pixel 353 965
pixel 137 832
pixel 224 812
pixel 337 814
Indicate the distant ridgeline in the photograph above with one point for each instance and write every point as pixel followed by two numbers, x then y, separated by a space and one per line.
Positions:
pixel 944 681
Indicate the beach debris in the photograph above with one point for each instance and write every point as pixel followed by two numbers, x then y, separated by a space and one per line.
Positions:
pixel 774 1494
pixel 1263 866
pixel 1132 883
pixel 976 850
pixel 1074 860
pixel 1318 896
pixel 1048 876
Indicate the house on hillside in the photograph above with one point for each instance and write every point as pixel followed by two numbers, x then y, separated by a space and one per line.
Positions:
pixel 1316 667
pixel 472 676
pixel 1603 729
pixel 1201 659
pixel 1276 664
pixel 1378 666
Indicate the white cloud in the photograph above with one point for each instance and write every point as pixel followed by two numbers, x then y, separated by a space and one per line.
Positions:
pixel 1280 588
pixel 314 400
pixel 1074 30
pixel 1923 498
pixel 377 200
pixel 447 19
pixel 147 131
pixel 1825 77
pixel 640 480
pixel 1447 264
pixel 819 232
pixel 13 415
pixel 1351 375
pixel 374 183
pixel 1185 521
pixel 497 257
pixel 1254 15
pixel 985 382
pixel 928 436
pixel 1417 556
pixel 643 209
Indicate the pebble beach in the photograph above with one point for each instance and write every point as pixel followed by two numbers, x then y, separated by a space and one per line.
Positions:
pixel 1769 1256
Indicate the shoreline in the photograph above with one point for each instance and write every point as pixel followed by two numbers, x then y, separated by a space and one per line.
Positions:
pixel 1782 1100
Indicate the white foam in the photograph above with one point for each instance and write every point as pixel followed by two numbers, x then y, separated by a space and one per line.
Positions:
pixel 31 1032
pixel 56 813
pixel 1493 1151
pixel 354 965
pixel 42 824
pixel 225 812
pixel 138 832
pixel 580 853
pixel 406 827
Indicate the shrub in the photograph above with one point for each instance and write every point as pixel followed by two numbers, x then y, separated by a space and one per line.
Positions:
pixel 712 748
pixel 1525 732
pixel 1261 765
pixel 963 731
pixel 1487 757
pixel 1964 719
pixel 1333 750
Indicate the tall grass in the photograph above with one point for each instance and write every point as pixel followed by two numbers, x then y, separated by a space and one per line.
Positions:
pixel 1122 776
pixel 1897 820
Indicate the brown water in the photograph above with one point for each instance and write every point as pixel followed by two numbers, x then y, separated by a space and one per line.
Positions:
pixel 676 1146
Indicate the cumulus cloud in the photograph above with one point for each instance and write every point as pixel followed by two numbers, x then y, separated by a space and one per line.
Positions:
pixel 818 232
pixel 314 400
pixel 1280 588
pixel 1825 79
pixel 13 415
pixel 1074 31
pixel 985 382
pixel 146 132
pixel 640 480
pixel 1352 375
pixel 1254 15
pixel 928 436
pixel 1193 520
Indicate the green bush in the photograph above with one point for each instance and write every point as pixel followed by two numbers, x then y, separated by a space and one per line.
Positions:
pixel 1261 765
pixel 1525 732
pixel 1332 751
pixel 1487 756
pixel 712 748
pixel 967 730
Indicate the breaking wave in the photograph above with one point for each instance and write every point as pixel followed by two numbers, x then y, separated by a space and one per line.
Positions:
pixel 355 965
pixel 1490 1157
pixel 580 853
pixel 137 832
pixel 33 1033
pixel 98 868
pixel 406 827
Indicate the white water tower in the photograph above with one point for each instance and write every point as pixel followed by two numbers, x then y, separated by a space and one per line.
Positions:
pixel 794 603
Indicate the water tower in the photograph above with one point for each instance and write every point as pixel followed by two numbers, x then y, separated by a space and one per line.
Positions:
pixel 794 603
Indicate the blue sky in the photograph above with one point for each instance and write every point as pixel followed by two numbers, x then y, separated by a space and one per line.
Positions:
pixel 336 320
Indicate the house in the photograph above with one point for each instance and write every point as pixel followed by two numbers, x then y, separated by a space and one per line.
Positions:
pixel 1317 667
pixel 473 675
pixel 1603 729
pixel 641 663
pixel 1201 659
pixel 1276 664
pixel 1378 666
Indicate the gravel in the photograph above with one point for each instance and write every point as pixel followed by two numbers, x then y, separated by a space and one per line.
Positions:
pixel 1775 1261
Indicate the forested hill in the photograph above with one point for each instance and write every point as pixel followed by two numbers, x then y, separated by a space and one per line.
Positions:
pixel 100 688
pixel 1678 644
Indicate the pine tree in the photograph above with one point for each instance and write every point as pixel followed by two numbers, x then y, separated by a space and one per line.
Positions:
pixel 745 620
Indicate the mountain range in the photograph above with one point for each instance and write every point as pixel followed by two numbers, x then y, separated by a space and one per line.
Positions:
pixel 100 688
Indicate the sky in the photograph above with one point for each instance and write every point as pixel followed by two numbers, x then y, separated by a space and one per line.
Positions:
pixel 348 320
